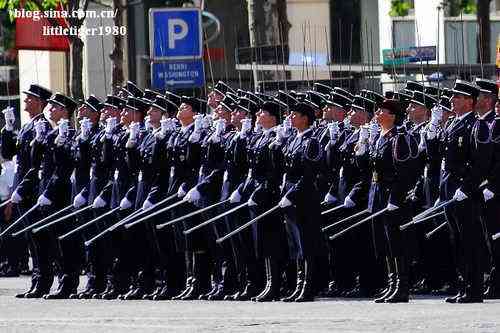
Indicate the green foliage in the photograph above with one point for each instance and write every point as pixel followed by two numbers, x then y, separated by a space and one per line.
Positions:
pixel 400 7
pixel 455 7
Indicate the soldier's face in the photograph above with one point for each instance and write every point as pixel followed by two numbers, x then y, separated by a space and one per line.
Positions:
pixel 358 117
pixel 483 104
pixel 109 112
pixel 33 105
pixel 237 116
pixel 299 121
pixel 127 116
pixel 56 112
pixel 333 113
pixel 460 104
pixel 416 113
pixel 222 113
pixel 83 112
pixel 214 99
pixel 384 118
pixel 185 113
pixel 497 108
pixel 265 119
pixel 154 115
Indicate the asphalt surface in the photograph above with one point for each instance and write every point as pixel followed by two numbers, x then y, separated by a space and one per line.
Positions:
pixel 427 314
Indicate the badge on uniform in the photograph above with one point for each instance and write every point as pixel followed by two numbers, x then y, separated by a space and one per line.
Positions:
pixel 375 176
pixel 460 141
pixel 181 158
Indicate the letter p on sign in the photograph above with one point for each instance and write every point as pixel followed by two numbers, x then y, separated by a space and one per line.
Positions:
pixel 178 29
pixel 175 33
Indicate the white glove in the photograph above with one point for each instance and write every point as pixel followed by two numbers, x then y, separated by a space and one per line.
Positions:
pixel 235 197
pixel 208 121
pixel 43 201
pixel 437 202
pixel 198 122
pixel 459 195
pixel 63 127
pixel 284 202
pixel 374 130
pixel 79 201
pixel 257 129
pixel 85 127
pixel 329 199
pixel 431 131
pixel 334 130
pixel 39 130
pixel 147 205
pixel 181 192
pixel 220 126
pixel 110 126
pixel 347 122
pixel 15 198
pixel 246 127
pixel 147 122
pixel 436 115
pixel 192 195
pixel 364 133
pixel 251 203
pixel 487 194
pixel 390 207
pixel 125 204
pixel 98 203
pixel 287 125
pixel 10 118
pixel 134 131
pixel 164 126
pixel 348 203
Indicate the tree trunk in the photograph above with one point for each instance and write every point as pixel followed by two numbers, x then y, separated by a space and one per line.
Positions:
pixel 76 66
pixel 483 19
pixel 116 55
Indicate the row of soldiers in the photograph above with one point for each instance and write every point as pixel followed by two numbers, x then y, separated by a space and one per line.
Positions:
pixel 251 196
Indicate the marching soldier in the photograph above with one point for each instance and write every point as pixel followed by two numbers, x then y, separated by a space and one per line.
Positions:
pixel 485 109
pixel 463 167
pixel 300 195
pixel 19 144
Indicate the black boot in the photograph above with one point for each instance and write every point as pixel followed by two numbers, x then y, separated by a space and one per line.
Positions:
pixel 117 285
pixel 401 294
pixel 391 281
pixel 34 278
pixel 273 293
pixel 299 284
pixel 200 280
pixel 97 287
pixel 268 281
pixel 89 288
pixel 307 292
pixel 42 286
pixel 144 286
pixel 186 289
pixel 68 285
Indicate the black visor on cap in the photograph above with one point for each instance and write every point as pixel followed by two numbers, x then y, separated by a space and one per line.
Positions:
pixel 38 91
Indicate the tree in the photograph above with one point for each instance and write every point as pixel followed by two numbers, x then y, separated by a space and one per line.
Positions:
pixel 76 44
pixel 483 19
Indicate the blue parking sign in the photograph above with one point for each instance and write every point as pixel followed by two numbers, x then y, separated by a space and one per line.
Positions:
pixel 175 33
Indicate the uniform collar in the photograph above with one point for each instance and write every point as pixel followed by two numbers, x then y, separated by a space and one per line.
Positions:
pixel 463 116
pixel 299 135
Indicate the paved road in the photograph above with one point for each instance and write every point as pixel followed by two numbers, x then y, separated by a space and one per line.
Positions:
pixel 331 315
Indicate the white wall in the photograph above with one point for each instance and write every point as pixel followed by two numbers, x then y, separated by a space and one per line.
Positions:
pixel 96 73
pixel 317 13
pixel 45 68
pixel 426 17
